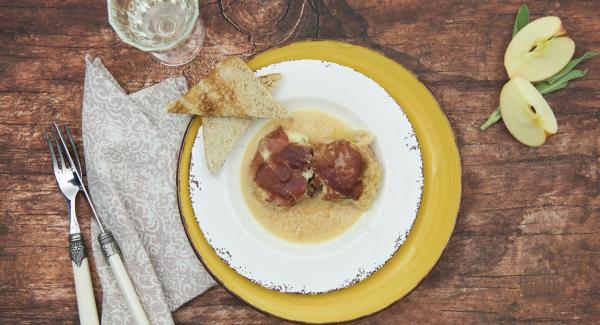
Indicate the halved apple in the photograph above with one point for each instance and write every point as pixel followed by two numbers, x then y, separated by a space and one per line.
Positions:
pixel 526 113
pixel 539 50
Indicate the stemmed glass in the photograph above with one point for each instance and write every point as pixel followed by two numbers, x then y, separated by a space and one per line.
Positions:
pixel 170 30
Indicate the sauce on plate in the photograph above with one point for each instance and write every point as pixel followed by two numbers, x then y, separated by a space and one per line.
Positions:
pixel 311 220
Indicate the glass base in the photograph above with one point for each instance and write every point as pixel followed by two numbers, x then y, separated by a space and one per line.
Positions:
pixel 184 52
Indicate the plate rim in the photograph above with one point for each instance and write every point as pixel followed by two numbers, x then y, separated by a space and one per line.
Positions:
pixel 182 177
pixel 340 272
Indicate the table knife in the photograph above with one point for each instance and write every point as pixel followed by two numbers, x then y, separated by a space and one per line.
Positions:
pixel 110 248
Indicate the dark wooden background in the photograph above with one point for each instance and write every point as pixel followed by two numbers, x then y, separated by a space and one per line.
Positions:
pixel 527 244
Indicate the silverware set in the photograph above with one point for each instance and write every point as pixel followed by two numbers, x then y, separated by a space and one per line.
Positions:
pixel 68 174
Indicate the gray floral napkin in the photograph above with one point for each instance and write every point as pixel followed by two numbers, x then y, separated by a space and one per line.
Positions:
pixel 131 147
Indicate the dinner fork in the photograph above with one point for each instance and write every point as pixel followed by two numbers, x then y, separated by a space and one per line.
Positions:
pixel 65 178
pixel 108 245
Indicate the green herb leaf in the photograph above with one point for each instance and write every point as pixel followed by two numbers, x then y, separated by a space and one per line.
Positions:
pixel 543 88
pixel 557 82
pixel 547 87
pixel 495 117
pixel 555 87
pixel 521 20
pixel 572 64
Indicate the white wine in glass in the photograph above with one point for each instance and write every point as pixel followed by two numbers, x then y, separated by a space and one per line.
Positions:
pixel 170 29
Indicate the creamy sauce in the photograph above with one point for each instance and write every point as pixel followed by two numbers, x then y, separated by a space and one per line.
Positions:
pixel 312 220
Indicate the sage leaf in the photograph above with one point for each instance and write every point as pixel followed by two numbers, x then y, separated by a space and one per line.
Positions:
pixel 543 89
pixel 521 20
pixel 572 64
pixel 547 87
pixel 553 87
pixel 557 82
pixel 494 117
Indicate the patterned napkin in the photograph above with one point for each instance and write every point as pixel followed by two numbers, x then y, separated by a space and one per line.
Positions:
pixel 131 147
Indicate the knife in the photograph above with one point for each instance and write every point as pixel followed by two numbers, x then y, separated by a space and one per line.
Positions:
pixel 110 249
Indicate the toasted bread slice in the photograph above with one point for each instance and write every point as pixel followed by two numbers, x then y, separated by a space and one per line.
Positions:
pixel 270 80
pixel 230 89
pixel 221 133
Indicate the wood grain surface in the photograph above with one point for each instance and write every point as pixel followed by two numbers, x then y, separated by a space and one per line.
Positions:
pixel 526 246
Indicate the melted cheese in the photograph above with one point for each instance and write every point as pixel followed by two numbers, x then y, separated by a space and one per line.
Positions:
pixel 312 220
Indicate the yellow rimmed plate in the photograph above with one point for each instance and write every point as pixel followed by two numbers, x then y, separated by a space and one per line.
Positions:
pixel 435 220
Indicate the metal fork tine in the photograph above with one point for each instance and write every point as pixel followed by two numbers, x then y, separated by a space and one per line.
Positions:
pixel 52 154
pixel 59 149
pixel 75 173
pixel 75 154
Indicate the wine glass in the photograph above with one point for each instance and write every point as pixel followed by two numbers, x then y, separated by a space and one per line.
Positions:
pixel 170 30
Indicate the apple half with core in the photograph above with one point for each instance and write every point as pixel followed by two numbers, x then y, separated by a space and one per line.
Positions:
pixel 539 50
pixel 525 112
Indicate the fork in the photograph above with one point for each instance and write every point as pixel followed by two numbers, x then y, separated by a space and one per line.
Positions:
pixel 68 184
pixel 108 245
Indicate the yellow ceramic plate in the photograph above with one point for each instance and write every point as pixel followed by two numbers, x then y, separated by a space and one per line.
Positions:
pixel 430 233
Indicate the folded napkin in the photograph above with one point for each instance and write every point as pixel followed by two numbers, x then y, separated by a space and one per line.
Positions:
pixel 131 147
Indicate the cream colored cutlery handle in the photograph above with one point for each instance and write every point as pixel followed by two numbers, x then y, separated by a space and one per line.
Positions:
pixel 88 315
pixel 118 269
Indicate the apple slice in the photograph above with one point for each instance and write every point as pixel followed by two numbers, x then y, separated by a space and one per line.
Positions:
pixel 539 50
pixel 526 113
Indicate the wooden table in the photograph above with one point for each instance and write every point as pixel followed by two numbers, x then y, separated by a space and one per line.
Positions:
pixel 526 246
